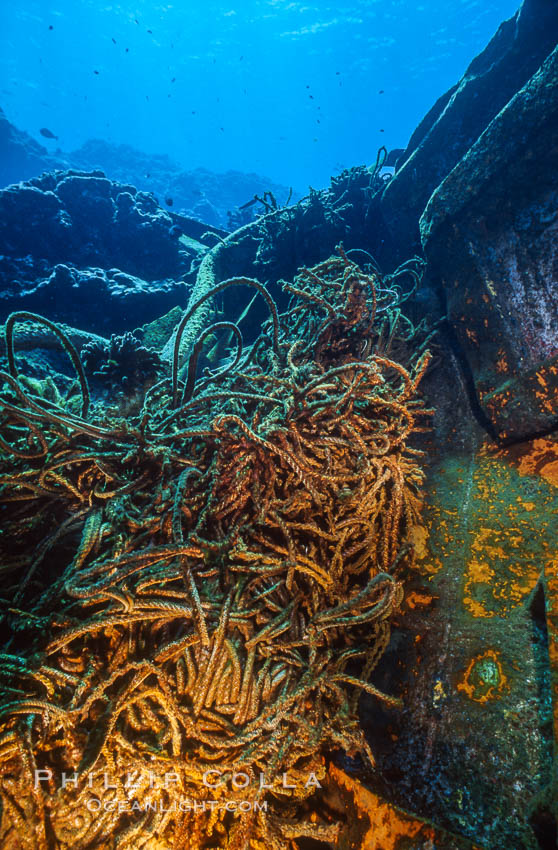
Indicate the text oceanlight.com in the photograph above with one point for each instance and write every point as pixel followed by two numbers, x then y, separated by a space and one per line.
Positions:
pixel 145 781
pixel 183 805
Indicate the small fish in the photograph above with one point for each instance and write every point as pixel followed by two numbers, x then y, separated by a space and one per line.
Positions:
pixel 150 32
pixel 382 131
pixel 173 80
pixel 381 91
pixel 51 27
pixel 113 40
pixel 44 131
pixel 169 201
pixel 96 72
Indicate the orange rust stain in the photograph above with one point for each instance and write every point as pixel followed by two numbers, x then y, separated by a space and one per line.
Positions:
pixel 502 364
pixel 418 536
pixel 484 679
pixel 388 825
pixel 479 571
pixel 414 598
pixel 500 573
pixel 539 457
pixel 476 609
pixel 527 506
pixel 550 473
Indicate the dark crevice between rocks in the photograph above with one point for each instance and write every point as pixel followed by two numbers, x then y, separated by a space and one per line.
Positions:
pixel 448 333
pixel 539 638
pixel 450 337
pixel 542 819
pixel 532 435
pixel 543 824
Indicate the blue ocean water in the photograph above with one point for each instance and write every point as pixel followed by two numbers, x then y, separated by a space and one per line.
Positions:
pixel 293 89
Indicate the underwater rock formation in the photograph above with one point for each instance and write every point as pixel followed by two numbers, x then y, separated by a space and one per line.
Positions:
pixel 241 465
pixel 490 234
pixel 201 194
pixel 459 117
pixel 273 246
pixel 21 157
pixel 103 301
pixel 85 219
pixel 476 191
pixel 198 193
pixel 76 246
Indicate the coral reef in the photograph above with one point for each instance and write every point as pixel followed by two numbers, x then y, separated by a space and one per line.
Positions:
pixel 85 219
pixel 21 157
pixel 238 465
pixel 199 193
pixel 220 580
pixel 89 252
pixel 272 247
pixel 105 301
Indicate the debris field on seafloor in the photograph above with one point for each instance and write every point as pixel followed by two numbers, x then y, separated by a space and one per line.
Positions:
pixel 204 588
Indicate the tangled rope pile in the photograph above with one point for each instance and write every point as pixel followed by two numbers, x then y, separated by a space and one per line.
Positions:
pixel 211 584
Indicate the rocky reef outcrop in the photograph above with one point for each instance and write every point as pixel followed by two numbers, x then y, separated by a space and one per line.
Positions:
pixel 199 193
pixel 490 233
pixel 21 157
pixel 87 251
pixel 476 190
pixel 86 219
